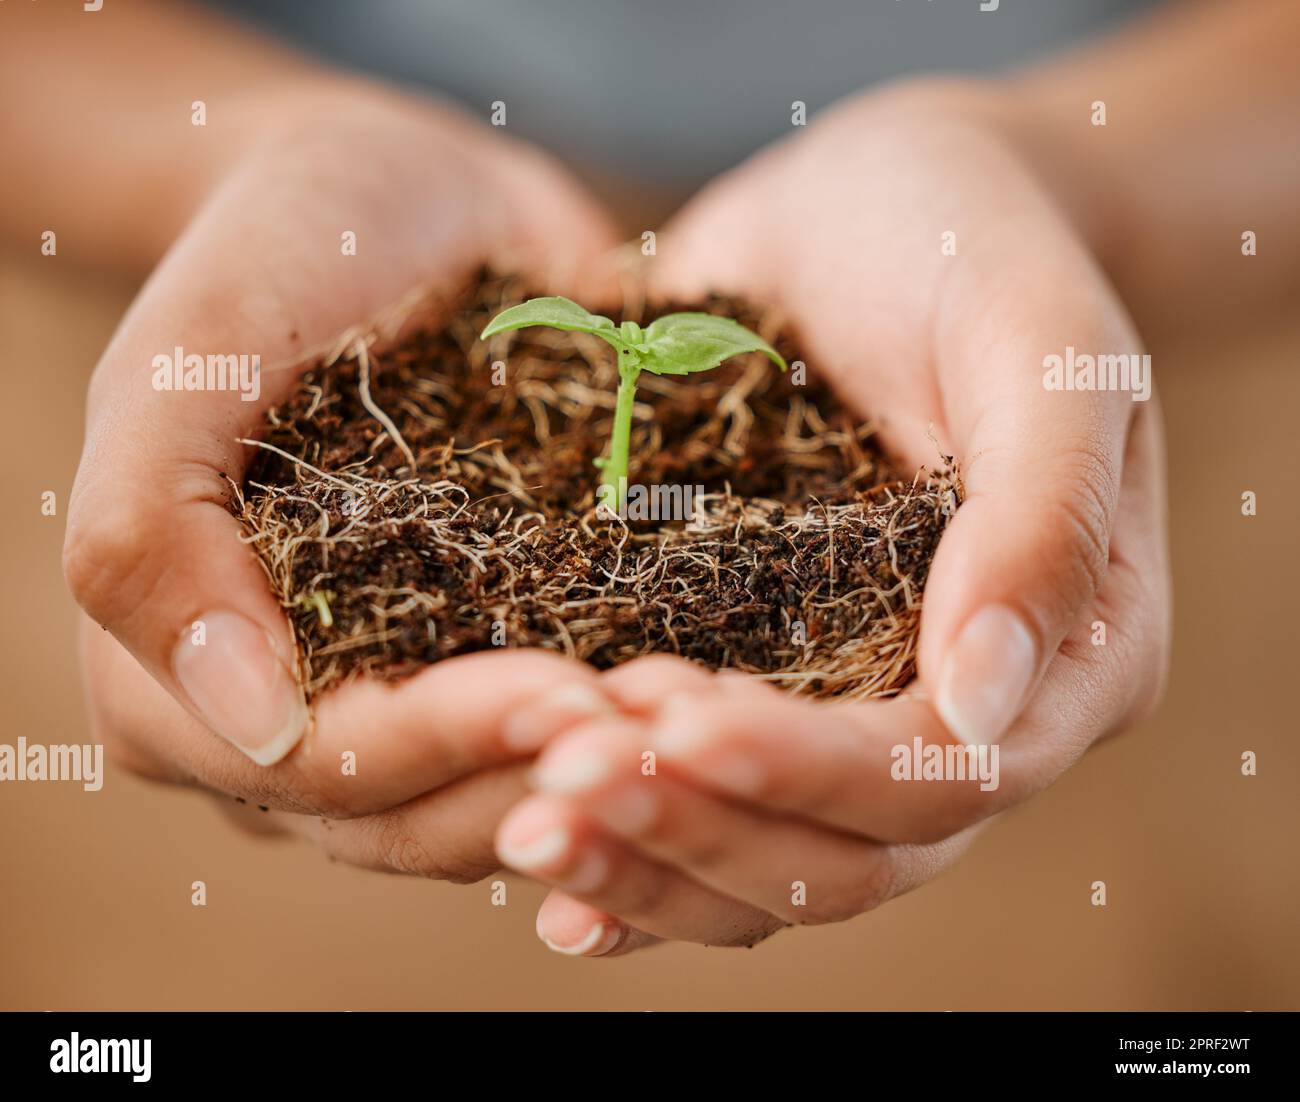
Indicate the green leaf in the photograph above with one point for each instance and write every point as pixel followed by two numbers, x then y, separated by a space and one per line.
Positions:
pixel 555 313
pixel 679 344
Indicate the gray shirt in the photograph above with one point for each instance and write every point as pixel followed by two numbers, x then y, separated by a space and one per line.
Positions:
pixel 669 92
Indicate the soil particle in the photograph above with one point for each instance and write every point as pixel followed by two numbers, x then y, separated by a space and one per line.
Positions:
pixel 805 560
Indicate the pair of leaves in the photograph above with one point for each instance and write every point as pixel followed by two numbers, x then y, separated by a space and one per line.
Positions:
pixel 676 344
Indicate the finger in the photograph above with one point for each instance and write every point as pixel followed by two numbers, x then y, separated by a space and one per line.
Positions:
pixel 547 839
pixel 785 866
pixel 716 243
pixel 152 551
pixel 1118 654
pixel 577 929
pixel 640 686
pixel 890 770
pixel 858 767
pixel 1027 550
pixel 373 745
pixel 447 834
pixel 840 764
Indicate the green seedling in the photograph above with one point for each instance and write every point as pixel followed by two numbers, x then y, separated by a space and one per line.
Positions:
pixel 320 601
pixel 676 344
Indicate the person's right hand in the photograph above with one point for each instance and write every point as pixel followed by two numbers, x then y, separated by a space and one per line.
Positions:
pixel 1061 532
pixel 152 549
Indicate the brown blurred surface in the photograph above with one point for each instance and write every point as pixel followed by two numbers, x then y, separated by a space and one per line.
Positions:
pixel 1201 863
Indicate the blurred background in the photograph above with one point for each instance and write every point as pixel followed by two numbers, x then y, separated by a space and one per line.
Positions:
pixel 648 102
pixel 1200 862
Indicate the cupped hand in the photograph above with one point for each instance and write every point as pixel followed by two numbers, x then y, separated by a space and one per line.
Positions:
pixel 194 680
pixel 930 274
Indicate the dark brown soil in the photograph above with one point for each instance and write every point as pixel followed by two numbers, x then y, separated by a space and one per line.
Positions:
pixel 412 509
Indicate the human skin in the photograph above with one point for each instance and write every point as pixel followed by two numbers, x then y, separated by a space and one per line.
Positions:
pixel 251 224
pixel 1063 524
pixel 1064 521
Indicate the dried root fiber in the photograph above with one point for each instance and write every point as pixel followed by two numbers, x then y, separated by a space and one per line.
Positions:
pixel 412 502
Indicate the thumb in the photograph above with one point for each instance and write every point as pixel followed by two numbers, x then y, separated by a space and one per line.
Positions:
pixel 151 551
pixel 1028 548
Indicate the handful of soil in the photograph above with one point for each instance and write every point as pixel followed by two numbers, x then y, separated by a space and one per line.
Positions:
pixel 417 499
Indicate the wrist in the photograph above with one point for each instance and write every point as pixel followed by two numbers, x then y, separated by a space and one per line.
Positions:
pixel 1049 122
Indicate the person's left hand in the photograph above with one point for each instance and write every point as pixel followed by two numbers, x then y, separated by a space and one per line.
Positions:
pixel 766 809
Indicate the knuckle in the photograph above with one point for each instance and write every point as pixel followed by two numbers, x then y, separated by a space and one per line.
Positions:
pixel 100 554
pixel 1082 511
pixel 400 848
pixel 1082 520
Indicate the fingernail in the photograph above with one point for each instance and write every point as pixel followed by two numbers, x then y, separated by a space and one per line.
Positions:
pixel 540 851
pixel 985 676
pixel 231 673
pixel 570 771
pixel 602 938
pixel 538 722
